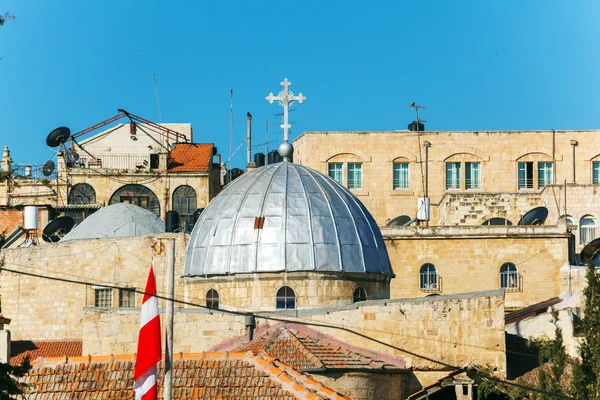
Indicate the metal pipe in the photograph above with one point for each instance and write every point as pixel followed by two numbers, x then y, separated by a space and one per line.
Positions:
pixel 170 289
pixel 553 156
pixel 574 144
pixel 249 137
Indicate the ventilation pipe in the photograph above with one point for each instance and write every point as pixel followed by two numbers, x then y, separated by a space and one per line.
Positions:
pixel 250 322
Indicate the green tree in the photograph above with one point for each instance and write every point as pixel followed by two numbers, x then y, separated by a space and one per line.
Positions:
pixel 587 373
pixel 5 17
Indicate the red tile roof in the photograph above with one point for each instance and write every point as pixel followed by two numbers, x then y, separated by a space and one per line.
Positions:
pixel 225 376
pixel 303 351
pixel 22 348
pixel 187 157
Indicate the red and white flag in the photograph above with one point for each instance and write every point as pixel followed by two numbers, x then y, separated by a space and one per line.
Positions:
pixel 148 350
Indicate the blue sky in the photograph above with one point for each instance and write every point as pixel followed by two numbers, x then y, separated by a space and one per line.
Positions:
pixel 475 64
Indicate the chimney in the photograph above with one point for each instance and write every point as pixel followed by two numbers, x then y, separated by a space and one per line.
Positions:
pixel 250 164
pixel 4 341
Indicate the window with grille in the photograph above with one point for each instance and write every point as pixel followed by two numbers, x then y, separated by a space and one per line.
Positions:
pixel 103 298
pixel 336 172
pixel 138 195
pixel 525 175
pixel 545 174
pixel 509 276
pixel 212 299
pixel 82 193
pixel 596 172
pixel 472 172
pixel 354 176
pixel 587 230
pixel 285 299
pixel 401 175
pixel 126 297
pixel 428 277
pixel 452 175
pixel 185 202
pixel 360 294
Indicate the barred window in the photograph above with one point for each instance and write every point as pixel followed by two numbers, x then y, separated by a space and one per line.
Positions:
pixel 103 298
pixel 509 276
pixel 428 277
pixel 126 297
pixel 212 299
pixel 354 176
pixel 285 299
pixel 452 175
pixel 184 202
pixel 360 294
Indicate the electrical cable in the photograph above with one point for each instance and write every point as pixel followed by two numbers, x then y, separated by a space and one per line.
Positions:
pixel 259 315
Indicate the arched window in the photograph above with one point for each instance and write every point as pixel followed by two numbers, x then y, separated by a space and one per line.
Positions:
pixel 82 193
pixel 566 218
pixel 360 294
pixel 285 299
pixel 587 229
pixel 509 276
pixel 138 195
pixel 184 202
pixel 212 299
pixel 429 277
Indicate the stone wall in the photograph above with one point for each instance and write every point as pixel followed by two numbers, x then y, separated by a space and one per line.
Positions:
pixel 256 292
pixel 43 309
pixel 365 386
pixel 434 333
pixel 498 153
pixel 469 258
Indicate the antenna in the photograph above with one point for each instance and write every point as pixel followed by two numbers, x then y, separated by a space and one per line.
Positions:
pixel 157 103
pixel 416 107
pixel 230 130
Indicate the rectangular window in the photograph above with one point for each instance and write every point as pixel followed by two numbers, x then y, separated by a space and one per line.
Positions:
pixel 596 172
pixel 103 298
pixel 401 176
pixel 472 175
pixel 354 176
pixel 126 297
pixel 525 175
pixel 335 172
pixel 545 174
pixel 452 175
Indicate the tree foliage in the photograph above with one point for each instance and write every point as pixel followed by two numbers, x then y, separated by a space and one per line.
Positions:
pixel 6 17
pixel 585 375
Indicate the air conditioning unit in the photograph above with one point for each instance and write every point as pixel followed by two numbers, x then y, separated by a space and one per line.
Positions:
pixel 423 206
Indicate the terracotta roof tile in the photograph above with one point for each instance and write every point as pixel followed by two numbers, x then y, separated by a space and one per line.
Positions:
pixel 22 348
pixel 223 376
pixel 190 157
pixel 303 351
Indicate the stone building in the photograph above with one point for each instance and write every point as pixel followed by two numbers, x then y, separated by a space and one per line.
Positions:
pixel 469 176
pixel 132 163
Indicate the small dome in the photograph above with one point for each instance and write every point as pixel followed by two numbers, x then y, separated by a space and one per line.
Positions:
pixel 118 220
pixel 285 217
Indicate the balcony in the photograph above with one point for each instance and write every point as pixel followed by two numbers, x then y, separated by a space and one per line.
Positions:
pixel 119 162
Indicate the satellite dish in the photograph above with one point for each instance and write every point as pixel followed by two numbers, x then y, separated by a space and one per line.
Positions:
pixel 399 221
pixel 497 221
pixel 57 228
pixel 591 252
pixel 48 168
pixel 537 216
pixel 58 136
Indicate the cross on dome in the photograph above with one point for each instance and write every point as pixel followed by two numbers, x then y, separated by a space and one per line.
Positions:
pixel 285 98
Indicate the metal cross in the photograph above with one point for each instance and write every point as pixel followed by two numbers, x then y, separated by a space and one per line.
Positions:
pixel 285 98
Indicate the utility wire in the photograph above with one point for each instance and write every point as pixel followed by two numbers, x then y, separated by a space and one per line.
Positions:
pixel 259 315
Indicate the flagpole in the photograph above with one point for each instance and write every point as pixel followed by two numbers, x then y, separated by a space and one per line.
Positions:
pixel 170 289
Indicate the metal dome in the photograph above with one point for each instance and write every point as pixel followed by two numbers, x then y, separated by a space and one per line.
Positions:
pixel 285 217
pixel 117 220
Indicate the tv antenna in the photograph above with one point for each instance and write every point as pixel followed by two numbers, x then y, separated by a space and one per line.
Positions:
pixel 418 121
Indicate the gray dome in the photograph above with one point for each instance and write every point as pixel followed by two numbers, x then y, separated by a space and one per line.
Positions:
pixel 311 223
pixel 118 220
